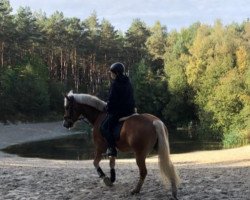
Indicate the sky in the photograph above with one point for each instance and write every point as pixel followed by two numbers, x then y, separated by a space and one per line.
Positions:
pixel 174 14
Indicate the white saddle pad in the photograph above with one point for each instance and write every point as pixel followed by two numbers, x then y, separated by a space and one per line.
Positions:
pixel 125 118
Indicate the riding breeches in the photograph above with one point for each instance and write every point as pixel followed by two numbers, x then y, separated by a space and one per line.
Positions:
pixel 107 129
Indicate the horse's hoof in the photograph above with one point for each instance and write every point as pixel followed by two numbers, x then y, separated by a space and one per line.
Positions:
pixel 133 192
pixel 174 195
pixel 107 181
pixel 174 198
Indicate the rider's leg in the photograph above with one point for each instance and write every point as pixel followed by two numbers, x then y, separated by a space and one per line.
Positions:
pixel 111 151
pixel 107 130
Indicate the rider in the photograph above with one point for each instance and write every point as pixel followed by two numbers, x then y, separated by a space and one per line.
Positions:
pixel 120 104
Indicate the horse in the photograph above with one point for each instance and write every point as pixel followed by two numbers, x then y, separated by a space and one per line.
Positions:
pixel 140 134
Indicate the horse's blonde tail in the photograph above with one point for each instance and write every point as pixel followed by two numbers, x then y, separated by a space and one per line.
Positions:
pixel 168 171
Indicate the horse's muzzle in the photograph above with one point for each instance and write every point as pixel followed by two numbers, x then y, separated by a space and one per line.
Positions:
pixel 67 124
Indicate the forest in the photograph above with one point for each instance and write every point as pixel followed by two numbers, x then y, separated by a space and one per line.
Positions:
pixel 197 77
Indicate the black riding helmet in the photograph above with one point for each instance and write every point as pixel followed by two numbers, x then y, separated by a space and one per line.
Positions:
pixel 117 68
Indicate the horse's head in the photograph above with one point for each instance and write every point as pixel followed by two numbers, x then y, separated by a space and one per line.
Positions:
pixel 86 105
pixel 71 111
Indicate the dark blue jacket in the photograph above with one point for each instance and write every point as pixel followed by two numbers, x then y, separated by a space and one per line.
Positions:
pixel 121 101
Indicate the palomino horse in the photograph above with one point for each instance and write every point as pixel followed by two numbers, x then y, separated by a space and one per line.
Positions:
pixel 139 134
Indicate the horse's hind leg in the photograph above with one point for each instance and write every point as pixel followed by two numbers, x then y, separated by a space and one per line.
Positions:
pixel 140 160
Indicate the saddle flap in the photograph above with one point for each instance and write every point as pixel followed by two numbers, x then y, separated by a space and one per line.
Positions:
pixel 117 130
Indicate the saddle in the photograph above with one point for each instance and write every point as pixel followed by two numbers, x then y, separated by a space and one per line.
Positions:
pixel 118 127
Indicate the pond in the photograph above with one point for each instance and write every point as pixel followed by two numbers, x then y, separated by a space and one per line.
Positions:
pixel 80 147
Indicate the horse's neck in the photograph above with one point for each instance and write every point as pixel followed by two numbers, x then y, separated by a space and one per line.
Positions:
pixel 90 113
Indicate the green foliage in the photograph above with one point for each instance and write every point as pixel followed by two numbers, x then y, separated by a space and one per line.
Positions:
pixel 55 96
pixel 225 102
pixel 218 81
pixel 156 42
pixel 5 19
pixel 24 90
pixel 180 108
pixel 150 90
pixel 135 41
pixel 206 129
pixel 234 139
pixel 7 100
pixel 32 92
pixel 198 75
pixel 137 34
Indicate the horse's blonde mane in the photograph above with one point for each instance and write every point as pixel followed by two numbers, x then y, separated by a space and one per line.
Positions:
pixel 89 100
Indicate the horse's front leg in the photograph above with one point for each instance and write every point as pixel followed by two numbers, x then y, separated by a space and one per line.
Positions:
pixel 96 162
pixel 101 174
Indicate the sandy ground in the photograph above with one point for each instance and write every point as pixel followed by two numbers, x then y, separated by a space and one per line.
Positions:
pixel 221 174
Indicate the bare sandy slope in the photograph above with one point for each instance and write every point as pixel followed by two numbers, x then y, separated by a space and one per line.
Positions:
pixel 228 157
pixel 223 174
pixel 18 133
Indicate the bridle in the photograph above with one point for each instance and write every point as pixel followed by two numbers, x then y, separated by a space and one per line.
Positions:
pixel 70 109
pixel 84 119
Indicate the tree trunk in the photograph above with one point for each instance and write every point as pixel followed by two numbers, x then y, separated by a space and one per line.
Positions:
pixel 61 66
pixel 2 54
pixel 76 75
pixel 51 63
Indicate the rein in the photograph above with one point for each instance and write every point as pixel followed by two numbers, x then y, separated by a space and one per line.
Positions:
pixel 85 120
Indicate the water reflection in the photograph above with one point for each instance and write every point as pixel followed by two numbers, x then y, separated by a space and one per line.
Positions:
pixel 72 147
pixel 80 147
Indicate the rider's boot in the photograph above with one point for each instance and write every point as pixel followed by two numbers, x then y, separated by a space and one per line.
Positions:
pixel 111 152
